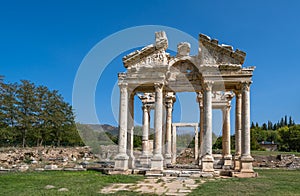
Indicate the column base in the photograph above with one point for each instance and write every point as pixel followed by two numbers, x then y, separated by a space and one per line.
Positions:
pixel 145 160
pixel 131 162
pixel 207 163
pixel 236 162
pixel 121 162
pixel 227 162
pixel 168 159
pixel 173 159
pixel 157 163
pixel 246 164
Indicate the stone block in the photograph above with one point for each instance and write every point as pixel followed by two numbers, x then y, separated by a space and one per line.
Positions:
pixel 157 163
pixel 246 165
pixel 207 164
pixel 121 162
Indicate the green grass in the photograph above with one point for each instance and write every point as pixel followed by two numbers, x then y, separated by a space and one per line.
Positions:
pixel 269 182
pixel 78 183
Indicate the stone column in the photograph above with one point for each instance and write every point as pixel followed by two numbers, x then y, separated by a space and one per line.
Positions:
pixel 157 160
pixel 145 158
pixel 121 159
pixel 196 148
pixel 207 160
pixel 130 133
pixel 168 150
pixel 174 153
pixel 163 139
pixel 238 126
pixel 246 158
pixel 226 137
pixel 200 100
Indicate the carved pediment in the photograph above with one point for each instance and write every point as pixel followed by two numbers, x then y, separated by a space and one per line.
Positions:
pixel 149 55
pixel 211 53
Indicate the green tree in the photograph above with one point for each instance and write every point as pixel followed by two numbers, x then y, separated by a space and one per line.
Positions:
pixel 31 115
pixel 26 109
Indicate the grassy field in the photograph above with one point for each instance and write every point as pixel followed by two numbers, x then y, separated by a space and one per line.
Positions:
pixel 269 182
pixel 78 183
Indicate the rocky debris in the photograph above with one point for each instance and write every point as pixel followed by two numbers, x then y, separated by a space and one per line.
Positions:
pixel 186 156
pixel 281 161
pixel 23 168
pixel 54 158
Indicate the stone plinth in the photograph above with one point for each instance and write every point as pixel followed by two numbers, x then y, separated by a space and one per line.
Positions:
pixel 207 163
pixel 236 163
pixel 145 160
pixel 246 164
pixel 227 162
pixel 121 162
pixel 157 163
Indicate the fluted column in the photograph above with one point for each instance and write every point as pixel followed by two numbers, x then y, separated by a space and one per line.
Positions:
pixel 146 156
pixel 174 153
pixel 226 138
pixel 207 158
pixel 157 160
pixel 246 158
pixel 168 150
pixel 200 100
pixel 121 160
pixel 130 133
pixel 196 148
pixel 238 127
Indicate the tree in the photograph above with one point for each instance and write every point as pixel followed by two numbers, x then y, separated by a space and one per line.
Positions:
pixel 26 110
pixel 270 125
pixel 290 138
pixel 252 125
pixel 31 115
pixel 264 126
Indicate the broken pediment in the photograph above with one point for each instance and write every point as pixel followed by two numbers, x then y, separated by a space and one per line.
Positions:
pixel 153 54
pixel 211 53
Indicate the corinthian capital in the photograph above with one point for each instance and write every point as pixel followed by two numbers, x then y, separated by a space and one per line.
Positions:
pixel 207 85
pixel 245 85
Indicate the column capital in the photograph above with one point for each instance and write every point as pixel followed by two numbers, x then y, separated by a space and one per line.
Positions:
pixel 146 107
pixel 245 85
pixel 227 108
pixel 199 99
pixel 238 93
pixel 169 104
pixel 207 85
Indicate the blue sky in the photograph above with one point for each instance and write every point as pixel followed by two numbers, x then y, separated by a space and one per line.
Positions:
pixel 45 42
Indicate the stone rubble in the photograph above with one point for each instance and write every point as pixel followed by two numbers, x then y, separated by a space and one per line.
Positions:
pixel 289 161
pixel 54 158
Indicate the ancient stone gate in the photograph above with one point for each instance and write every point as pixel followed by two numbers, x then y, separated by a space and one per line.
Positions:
pixel 215 74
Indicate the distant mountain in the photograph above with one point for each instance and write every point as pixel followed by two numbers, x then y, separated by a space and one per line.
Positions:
pixel 104 128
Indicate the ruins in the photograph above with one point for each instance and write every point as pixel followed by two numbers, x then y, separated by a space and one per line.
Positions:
pixel 215 74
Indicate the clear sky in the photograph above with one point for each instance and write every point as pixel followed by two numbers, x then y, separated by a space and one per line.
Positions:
pixel 46 41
